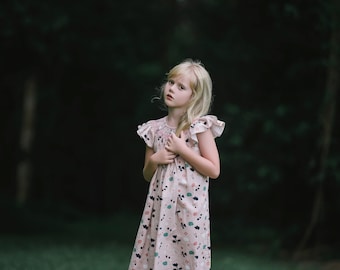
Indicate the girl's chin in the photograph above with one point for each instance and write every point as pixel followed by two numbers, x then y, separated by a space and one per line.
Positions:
pixel 167 103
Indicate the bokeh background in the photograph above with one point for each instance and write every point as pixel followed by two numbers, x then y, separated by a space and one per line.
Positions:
pixel 77 78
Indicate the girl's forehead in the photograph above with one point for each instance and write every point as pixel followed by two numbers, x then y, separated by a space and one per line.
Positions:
pixel 183 78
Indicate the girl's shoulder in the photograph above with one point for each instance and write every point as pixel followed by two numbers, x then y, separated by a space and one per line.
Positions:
pixel 151 126
pixel 206 122
pixel 153 122
pixel 147 130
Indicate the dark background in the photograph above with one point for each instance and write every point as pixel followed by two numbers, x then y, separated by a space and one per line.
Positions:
pixel 91 68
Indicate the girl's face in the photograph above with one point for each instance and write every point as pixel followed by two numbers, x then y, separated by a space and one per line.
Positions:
pixel 177 92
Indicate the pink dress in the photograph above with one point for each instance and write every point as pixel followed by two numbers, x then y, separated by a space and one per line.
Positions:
pixel 174 232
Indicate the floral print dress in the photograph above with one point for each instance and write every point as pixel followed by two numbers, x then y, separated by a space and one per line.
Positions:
pixel 174 232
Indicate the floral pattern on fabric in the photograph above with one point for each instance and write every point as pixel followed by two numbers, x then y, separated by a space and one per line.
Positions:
pixel 174 231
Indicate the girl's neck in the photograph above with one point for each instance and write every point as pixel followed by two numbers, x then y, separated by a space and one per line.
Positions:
pixel 173 118
pixel 171 121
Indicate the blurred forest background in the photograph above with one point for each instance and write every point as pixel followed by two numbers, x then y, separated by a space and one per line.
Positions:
pixel 77 78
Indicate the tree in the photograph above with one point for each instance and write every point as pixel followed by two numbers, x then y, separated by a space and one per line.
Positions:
pixel 327 115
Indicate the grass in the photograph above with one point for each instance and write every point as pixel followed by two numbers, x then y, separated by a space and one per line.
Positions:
pixel 236 260
pixel 106 244
pixel 35 253
pixel 55 253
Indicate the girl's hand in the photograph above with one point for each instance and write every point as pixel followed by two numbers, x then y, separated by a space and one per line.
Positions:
pixel 176 144
pixel 164 156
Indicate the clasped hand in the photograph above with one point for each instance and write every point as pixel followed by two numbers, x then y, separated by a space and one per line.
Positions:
pixel 175 144
pixel 173 147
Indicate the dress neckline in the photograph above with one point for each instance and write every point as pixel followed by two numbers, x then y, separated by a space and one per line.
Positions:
pixel 166 123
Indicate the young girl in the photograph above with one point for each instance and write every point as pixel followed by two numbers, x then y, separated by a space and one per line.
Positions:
pixel 180 157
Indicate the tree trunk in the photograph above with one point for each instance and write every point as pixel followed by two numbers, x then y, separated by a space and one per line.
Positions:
pixel 327 119
pixel 26 138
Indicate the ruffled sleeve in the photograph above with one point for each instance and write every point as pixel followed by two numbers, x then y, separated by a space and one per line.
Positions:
pixel 145 131
pixel 204 123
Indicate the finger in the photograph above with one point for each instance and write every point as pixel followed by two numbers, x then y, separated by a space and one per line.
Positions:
pixel 168 149
pixel 173 155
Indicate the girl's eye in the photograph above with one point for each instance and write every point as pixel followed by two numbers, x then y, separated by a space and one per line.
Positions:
pixel 181 87
pixel 170 82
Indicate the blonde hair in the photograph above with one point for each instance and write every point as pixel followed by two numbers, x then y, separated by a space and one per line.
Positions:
pixel 201 86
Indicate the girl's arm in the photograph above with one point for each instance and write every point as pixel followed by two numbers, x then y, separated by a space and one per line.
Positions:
pixel 153 159
pixel 206 163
